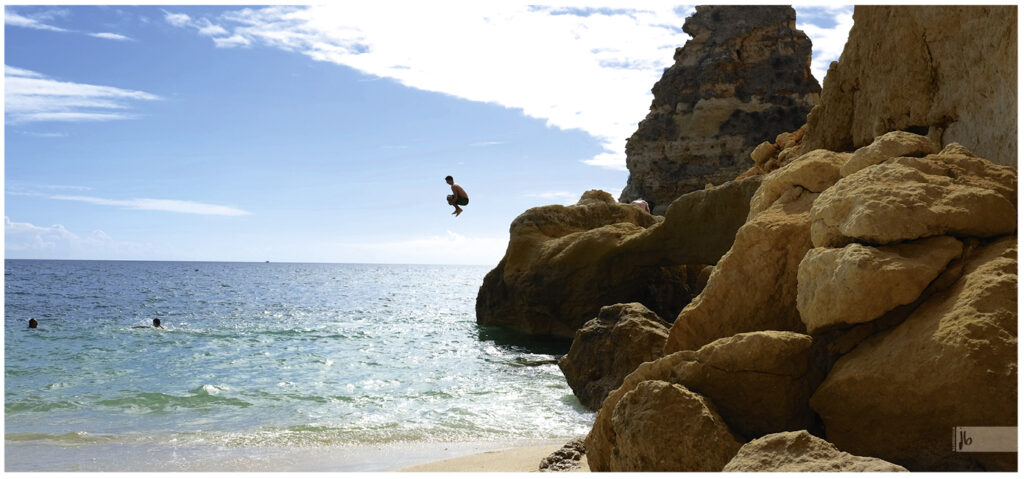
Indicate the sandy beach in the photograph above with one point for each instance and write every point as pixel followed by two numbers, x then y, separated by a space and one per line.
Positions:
pixel 516 459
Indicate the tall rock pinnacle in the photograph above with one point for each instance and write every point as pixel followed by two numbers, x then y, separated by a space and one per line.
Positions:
pixel 742 79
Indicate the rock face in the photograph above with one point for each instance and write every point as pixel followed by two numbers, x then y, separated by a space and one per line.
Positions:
pixel 555 274
pixel 952 363
pixel 764 259
pixel 609 347
pixel 868 289
pixel 799 451
pixel 856 284
pixel 743 78
pixel 890 145
pixel 699 227
pixel 758 383
pixel 665 427
pixel 564 262
pixel 954 80
pixel 907 198
pixel 763 265
pixel 902 315
pixel 566 458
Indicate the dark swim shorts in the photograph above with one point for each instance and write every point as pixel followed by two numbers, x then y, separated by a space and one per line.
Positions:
pixel 462 201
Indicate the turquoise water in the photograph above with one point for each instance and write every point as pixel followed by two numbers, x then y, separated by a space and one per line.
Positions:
pixel 261 357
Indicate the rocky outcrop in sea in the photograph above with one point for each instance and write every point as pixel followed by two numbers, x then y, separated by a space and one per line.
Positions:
pixel 743 77
pixel 854 300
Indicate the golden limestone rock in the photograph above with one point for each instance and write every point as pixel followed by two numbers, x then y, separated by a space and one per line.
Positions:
pixel 906 198
pixel 665 427
pixel 952 363
pixel 856 283
pixel 758 383
pixel 799 451
pixel 609 347
pixel 563 263
pixel 753 287
pixel 954 79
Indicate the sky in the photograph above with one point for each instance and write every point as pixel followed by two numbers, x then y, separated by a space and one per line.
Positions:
pixel 323 133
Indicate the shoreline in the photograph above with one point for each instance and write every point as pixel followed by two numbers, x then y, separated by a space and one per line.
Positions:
pixel 525 458
pixel 520 455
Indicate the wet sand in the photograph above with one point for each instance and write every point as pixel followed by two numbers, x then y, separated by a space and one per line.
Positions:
pixel 516 459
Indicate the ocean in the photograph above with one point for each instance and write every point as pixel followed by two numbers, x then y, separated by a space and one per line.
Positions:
pixel 265 367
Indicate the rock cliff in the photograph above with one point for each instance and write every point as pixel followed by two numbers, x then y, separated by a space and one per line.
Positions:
pixel 954 79
pixel 563 263
pixel 743 78
pixel 897 289
pixel 860 290
pixel 609 347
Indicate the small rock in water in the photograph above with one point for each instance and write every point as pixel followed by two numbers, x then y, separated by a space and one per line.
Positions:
pixel 565 459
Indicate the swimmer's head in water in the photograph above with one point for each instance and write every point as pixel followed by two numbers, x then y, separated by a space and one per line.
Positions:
pixel 32 323
pixel 156 322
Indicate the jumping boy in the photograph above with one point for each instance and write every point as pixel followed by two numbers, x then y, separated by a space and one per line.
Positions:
pixel 458 196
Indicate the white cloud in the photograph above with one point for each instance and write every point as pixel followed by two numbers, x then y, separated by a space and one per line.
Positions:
pixel 589 68
pixel 16 20
pixel 111 36
pixel 208 29
pixel 450 248
pixel 20 72
pixel 569 198
pixel 562 197
pixel 177 19
pixel 577 69
pixel 26 240
pixel 19 237
pixel 174 206
pixel 32 97
pixel 608 159
pixel 43 134
pixel 828 41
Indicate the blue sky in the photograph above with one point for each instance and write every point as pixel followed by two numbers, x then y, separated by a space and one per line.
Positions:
pixel 322 133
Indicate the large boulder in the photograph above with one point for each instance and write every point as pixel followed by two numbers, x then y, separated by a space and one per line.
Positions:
pixel 564 262
pixel 799 451
pixel 890 145
pixel 754 286
pixel 838 287
pixel 764 258
pixel 953 362
pixel 558 270
pixel 954 80
pixel 744 77
pixel 699 227
pixel 661 427
pixel 609 347
pixel 759 383
pixel 815 172
pixel 906 198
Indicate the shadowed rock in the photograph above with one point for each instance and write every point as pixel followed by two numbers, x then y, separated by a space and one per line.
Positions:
pixel 564 263
pixel 799 451
pixel 758 383
pixel 953 362
pixel 609 347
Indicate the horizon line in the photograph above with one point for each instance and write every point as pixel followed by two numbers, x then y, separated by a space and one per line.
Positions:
pixel 241 262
